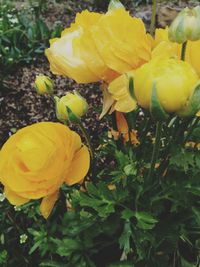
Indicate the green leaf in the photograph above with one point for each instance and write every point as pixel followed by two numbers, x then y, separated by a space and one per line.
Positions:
pixel 156 109
pixel 127 214
pixel 114 4
pixel 124 240
pixel 145 220
pixel 131 88
pixel 130 169
pixel 193 105
pixel 185 263
pixel 72 116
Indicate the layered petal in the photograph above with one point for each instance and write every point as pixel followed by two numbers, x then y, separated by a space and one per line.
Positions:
pixel 79 167
pixel 121 40
pixel 35 161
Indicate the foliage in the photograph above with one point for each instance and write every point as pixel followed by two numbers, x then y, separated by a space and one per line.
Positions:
pixel 120 215
pixel 23 34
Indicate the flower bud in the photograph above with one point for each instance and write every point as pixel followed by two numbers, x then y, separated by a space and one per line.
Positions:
pixel 166 85
pixel 70 107
pixel 43 85
pixel 186 26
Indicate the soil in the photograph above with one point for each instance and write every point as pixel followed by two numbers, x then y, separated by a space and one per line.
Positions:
pixel 21 106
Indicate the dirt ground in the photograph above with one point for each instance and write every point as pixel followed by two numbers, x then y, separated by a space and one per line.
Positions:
pixel 20 105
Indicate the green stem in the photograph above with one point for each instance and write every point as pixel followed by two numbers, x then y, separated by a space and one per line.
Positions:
pixel 153 17
pixel 88 140
pixel 155 149
pixel 194 124
pixel 183 51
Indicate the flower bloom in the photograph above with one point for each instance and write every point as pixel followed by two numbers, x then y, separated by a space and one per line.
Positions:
pixel 43 85
pixel 75 55
pixel 121 40
pixel 74 101
pixel 174 79
pixel 38 159
pixel 99 46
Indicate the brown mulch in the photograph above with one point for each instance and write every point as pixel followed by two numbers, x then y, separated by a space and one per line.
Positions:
pixel 21 106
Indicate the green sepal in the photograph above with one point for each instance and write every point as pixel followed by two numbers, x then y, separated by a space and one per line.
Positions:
pixel 114 4
pixel 56 100
pixel 49 88
pixel 131 88
pixel 72 117
pixel 156 109
pixel 193 105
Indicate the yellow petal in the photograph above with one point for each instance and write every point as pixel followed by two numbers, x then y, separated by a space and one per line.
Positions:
pixel 107 101
pixel 118 88
pixel 13 198
pixel 121 51
pixel 47 204
pixel 122 124
pixel 79 166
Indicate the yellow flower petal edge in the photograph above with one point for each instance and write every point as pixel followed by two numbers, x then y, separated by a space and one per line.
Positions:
pixel 79 167
pixel 75 55
pixel 121 50
pixel 36 160
pixel 120 92
pixel 48 203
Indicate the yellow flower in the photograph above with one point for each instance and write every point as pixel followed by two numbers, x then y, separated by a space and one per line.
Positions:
pixel 43 85
pixel 119 89
pixel 162 46
pixel 75 55
pixel 38 159
pixel 186 26
pixel 121 40
pixel 74 101
pixel 174 79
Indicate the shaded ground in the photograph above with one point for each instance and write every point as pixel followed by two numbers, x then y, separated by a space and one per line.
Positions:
pixel 20 105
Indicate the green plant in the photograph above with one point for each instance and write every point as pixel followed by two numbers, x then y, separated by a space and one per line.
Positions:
pixel 23 34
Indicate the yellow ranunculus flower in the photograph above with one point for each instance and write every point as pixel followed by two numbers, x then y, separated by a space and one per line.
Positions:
pixel 75 102
pixel 43 85
pixel 174 79
pixel 119 89
pixel 121 40
pixel 162 46
pixel 38 159
pixel 75 55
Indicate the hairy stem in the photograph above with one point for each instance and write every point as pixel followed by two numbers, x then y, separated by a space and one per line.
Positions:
pixel 153 17
pixel 155 149
pixel 183 51
pixel 88 140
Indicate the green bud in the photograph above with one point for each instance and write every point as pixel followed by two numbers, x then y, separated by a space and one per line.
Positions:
pixel 70 107
pixel 186 26
pixel 114 4
pixel 44 85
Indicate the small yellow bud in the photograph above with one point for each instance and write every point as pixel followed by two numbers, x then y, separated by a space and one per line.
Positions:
pixel 73 101
pixel 43 85
pixel 186 26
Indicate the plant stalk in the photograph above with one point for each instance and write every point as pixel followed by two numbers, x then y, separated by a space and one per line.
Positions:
pixel 155 149
pixel 183 51
pixel 88 140
pixel 153 17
